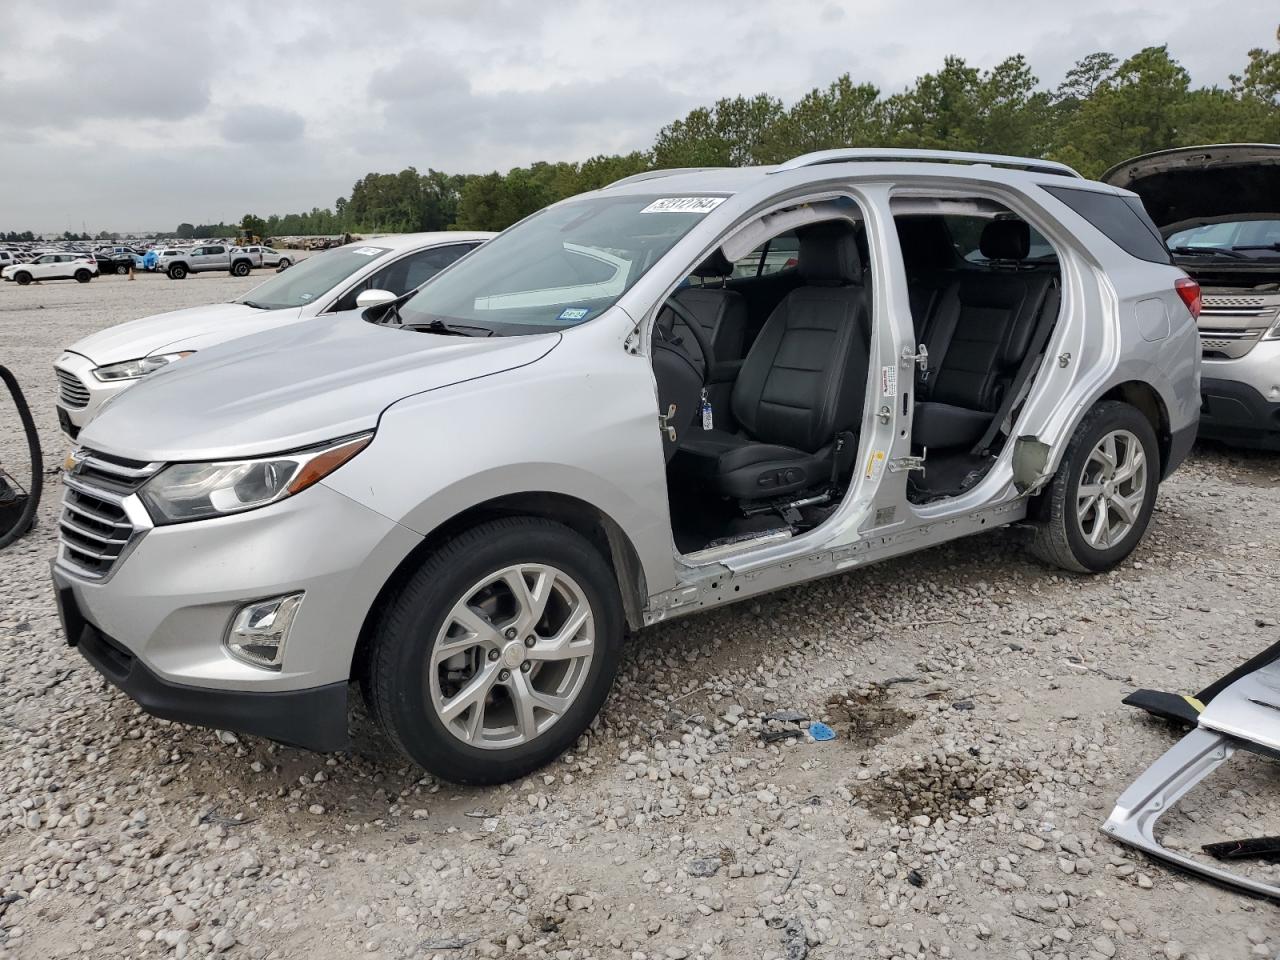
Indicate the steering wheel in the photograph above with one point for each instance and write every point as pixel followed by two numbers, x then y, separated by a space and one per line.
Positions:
pixel 668 333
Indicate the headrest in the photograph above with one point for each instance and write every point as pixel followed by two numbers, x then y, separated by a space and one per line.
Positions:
pixel 714 267
pixel 829 255
pixel 1005 240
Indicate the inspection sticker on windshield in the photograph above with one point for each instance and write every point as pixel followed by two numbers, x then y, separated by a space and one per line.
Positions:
pixel 573 313
pixel 684 205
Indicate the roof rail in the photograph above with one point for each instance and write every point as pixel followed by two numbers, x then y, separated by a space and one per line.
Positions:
pixel 871 154
pixel 655 174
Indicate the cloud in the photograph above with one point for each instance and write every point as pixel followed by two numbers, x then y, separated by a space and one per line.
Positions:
pixel 259 124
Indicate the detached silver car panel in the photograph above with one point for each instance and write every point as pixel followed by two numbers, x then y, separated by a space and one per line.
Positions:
pixel 1244 715
pixel 556 374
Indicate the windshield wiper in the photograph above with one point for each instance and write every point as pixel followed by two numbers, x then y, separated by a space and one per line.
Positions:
pixel 1210 252
pixel 255 305
pixel 449 329
pixel 1258 246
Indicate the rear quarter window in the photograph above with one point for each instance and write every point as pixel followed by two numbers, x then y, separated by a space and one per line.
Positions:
pixel 1122 219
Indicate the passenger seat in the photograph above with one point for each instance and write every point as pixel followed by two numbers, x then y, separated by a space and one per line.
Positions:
pixel 980 330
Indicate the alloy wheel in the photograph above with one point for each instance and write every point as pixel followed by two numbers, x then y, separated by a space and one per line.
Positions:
pixel 1112 489
pixel 512 656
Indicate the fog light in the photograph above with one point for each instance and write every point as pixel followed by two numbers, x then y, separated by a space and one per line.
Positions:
pixel 259 629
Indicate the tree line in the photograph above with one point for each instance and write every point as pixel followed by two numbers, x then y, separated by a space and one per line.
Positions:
pixel 1104 111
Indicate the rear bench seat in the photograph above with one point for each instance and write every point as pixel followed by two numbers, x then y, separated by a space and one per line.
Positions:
pixel 977 332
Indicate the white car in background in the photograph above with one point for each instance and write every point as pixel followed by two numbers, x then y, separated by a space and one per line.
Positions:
pixel 274 258
pixel 96 368
pixel 81 267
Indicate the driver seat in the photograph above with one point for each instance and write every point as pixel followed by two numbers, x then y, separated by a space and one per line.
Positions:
pixel 802 383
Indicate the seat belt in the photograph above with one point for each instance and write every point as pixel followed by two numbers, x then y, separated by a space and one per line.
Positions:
pixel 1044 324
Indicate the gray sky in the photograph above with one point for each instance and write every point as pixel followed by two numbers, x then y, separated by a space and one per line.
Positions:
pixel 124 116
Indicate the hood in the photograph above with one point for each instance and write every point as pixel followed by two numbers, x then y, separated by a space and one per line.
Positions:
pixel 1193 185
pixel 191 329
pixel 292 387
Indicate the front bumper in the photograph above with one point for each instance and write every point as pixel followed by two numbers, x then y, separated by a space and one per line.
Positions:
pixel 154 624
pixel 1237 412
pixel 313 718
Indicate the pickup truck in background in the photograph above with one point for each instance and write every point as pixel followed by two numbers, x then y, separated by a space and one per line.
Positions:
pixel 215 256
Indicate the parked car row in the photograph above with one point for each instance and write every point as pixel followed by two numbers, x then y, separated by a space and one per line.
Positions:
pixel 681 390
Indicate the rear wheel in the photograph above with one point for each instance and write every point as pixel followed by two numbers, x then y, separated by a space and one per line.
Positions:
pixel 1099 503
pixel 83 276
pixel 22 277
pixel 177 272
pixel 498 652
pixel 240 268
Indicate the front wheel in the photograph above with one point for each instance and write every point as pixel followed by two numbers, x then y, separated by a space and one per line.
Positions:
pixel 1098 505
pixel 121 270
pixel 22 277
pixel 498 652
pixel 283 264
pixel 240 269
pixel 177 272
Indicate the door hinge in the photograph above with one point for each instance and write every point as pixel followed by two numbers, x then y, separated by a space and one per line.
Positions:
pixel 664 422
pixel 920 357
pixel 901 464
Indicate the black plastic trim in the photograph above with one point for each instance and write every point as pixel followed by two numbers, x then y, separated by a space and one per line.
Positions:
pixel 1235 412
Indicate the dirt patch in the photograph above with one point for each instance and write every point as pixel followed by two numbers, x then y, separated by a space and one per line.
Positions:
pixel 939 786
pixel 867 717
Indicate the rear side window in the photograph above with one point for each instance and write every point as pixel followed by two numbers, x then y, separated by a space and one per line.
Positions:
pixel 1122 219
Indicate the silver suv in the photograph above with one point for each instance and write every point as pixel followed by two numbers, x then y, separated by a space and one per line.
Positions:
pixel 465 498
pixel 1218 208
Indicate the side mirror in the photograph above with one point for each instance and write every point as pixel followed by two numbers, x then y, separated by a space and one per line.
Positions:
pixel 372 298
pixel 18 497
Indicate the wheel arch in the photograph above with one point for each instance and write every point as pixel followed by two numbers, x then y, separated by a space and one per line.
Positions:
pixel 579 515
pixel 1146 400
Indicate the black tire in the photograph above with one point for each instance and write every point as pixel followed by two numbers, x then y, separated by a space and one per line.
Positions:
pixel 284 263
pixel 177 271
pixel 396 664
pixel 1059 538
pixel 240 268
pixel 83 276
pixel 121 270
pixel 22 278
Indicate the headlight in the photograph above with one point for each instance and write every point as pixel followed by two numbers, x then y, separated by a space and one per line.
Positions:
pixel 135 369
pixel 195 491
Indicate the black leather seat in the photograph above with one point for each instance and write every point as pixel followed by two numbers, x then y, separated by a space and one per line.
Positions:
pixel 802 383
pixel 978 333
pixel 721 313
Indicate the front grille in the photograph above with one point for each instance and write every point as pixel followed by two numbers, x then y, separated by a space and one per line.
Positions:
pixel 95 529
pixel 71 391
pixel 1217 301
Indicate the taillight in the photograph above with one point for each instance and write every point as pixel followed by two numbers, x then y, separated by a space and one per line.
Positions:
pixel 1189 291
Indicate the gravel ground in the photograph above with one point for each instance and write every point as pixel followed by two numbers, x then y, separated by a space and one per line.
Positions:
pixel 980 744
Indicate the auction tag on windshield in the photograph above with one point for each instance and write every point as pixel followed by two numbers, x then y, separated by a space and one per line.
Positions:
pixel 367 251
pixel 573 313
pixel 684 205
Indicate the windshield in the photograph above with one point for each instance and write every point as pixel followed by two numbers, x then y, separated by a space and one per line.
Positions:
pixel 312 277
pixel 561 267
pixel 1258 237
